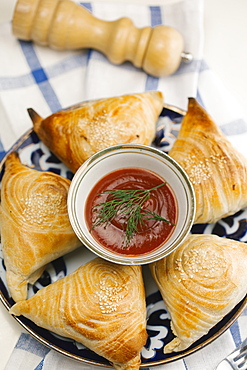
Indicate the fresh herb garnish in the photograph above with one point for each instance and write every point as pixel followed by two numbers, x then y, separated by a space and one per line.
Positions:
pixel 126 205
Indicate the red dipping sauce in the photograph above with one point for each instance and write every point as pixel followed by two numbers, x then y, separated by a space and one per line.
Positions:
pixel 149 236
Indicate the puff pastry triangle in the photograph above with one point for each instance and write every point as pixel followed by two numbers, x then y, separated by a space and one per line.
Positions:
pixel 75 134
pixel 34 223
pixel 200 282
pixel 101 305
pixel 216 169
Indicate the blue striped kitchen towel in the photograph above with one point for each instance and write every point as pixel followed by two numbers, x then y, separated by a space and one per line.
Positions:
pixel 46 80
pixel 29 354
pixel 37 77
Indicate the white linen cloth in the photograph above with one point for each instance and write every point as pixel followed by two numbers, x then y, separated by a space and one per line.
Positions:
pixel 37 77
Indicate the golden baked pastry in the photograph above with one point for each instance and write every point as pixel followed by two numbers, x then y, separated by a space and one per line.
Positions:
pixel 73 135
pixel 200 282
pixel 101 305
pixel 34 223
pixel 218 172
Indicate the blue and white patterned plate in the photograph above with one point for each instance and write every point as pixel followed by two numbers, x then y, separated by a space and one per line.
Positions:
pixel 34 153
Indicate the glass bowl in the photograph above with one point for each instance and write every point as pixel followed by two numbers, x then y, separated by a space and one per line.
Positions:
pixel 135 156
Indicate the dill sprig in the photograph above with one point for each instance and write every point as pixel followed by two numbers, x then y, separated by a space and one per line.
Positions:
pixel 126 205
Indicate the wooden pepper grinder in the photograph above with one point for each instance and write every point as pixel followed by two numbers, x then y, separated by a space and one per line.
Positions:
pixel 63 24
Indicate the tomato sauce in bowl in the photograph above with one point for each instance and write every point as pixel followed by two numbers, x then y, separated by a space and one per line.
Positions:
pixel 162 201
pixel 149 234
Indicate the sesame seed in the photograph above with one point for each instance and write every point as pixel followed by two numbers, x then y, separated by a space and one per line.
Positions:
pixel 38 208
pixel 102 128
pixel 200 170
pixel 200 263
pixel 109 295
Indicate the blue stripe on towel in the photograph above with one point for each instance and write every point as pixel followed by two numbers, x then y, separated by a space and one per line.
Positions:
pixel 199 99
pixel 2 151
pixel 193 66
pixel 27 343
pixel 236 127
pixel 51 71
pixel 151 83
pixel 40 365
pixel 156 19
pixel 18 82
pixel 66 65
pixel 40 76
pixel 185 365
pixel 2 154
pixel 88 6
pixel 234 329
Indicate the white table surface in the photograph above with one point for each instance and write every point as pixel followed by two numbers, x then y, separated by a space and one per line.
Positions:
pixel 226 53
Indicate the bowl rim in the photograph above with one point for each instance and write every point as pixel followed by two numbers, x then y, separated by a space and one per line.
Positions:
pixel 159 252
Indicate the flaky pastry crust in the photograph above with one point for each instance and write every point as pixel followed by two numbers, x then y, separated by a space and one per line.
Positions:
pixel 200 282
pixel 101 305
pixel 73 135
pixel 218 172
pixel 34 223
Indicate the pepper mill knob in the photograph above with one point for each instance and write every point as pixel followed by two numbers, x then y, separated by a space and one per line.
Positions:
pixel 63 24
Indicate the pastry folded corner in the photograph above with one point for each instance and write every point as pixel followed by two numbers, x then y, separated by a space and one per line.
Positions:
pixel 75 134
pixel 34 223
pixel 217 171
pixel 101 305
pixel 200 283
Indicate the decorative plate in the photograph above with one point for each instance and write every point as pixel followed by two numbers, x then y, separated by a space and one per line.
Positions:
pixel 34 153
